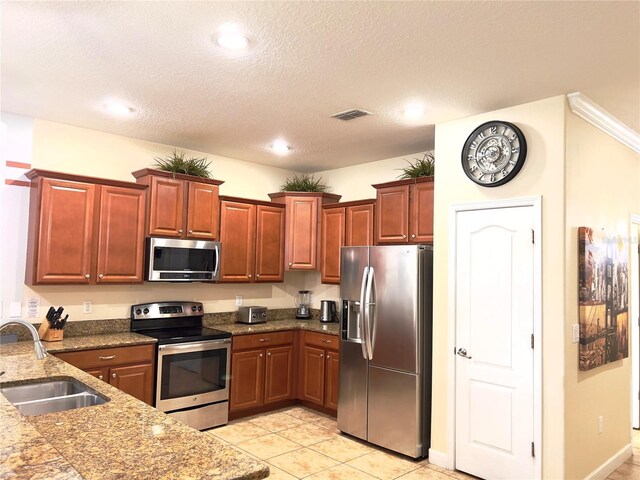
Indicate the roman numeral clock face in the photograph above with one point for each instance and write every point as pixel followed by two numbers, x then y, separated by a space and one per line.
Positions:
pixel 494 153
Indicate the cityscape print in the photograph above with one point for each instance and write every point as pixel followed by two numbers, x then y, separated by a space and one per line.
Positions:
pixel 603 298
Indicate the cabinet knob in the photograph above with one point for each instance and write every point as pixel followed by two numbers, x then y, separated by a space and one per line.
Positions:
pixel 261 355
pixel 268 354
pixel 249 275
pixel 113 375
pixel 190 231
pixel 100 377
pixel 257 275
pixel 404 236
pixel 87 276
pixel 180 231
pixel 413 236
pixel 328 357
pixel 290 264
pixel 100 276
pixel 322 355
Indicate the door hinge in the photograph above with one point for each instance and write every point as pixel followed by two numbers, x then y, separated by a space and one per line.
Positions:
pixel 532 341
pixel 533 236
pixel 533 449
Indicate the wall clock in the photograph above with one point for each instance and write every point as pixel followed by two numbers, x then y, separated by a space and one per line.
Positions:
pixel 494 153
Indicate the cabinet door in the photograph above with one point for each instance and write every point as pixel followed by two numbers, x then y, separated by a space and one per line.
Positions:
pixel 332 238
pixel 136 380
pixel 422 212
pixel 278 384
pixel 166 207
pixel 247 380
pixel 392 207
pixel 332 379
pixel 359 226
pixel 302 233
pixel 65 232
pixel 237 238
pixel 121 235
pixel 312 375
pixel 203 210
pixel 269 265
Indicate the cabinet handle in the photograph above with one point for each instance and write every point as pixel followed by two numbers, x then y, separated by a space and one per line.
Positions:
pixel 413 236
pixel 249 275
pixel 261 355
pixel 109 357
pixel 190 231
pixel 100 377
pixel 404 236
pixel 325 341
pixel 87 276
pixel 113 375
pixel 328 357
pixel 322 355
pixel 180 231
pixel 268 354
pixel 257 275
pixel 290 263
pixel 100 276
pixel 265 339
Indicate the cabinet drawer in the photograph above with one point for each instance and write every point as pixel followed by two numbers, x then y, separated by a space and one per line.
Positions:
pixel 322 340
pixel 109 356
pixel 258 340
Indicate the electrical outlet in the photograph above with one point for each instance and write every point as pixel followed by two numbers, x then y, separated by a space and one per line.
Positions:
pixel 238 300
pixel 600 424
pixel 86 307
pixel 575 333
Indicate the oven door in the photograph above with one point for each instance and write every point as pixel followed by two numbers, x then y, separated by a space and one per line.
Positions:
pixel 192 374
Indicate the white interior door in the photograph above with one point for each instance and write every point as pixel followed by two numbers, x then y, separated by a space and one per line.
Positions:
pixel 494 294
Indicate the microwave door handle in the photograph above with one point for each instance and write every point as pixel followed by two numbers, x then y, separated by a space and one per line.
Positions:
pixel 361 314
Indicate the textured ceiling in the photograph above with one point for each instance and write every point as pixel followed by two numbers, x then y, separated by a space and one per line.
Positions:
pixel 308 60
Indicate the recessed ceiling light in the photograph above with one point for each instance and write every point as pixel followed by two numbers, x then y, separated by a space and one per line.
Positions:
pixel 118 108
pixel 280 147
pixel 231 38
pixel 413 111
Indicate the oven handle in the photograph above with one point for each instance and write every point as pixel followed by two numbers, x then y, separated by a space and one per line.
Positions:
pixel 209 345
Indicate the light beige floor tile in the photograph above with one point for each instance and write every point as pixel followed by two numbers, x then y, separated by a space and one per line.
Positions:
pixel 626 471
pixel 341 472
pixel 268 446
pixel 307 434
pixel 341 448
pixel 451 473
pixel 383 465
pixel 239 432
pixel 274 422
pixel 329 423
pixel 425 473
pixel 244 452
pixel 305 414
pixel 277 474
pixel 302 463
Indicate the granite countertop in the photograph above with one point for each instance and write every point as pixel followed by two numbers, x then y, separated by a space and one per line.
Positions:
pixel 277 325
pixel 124 438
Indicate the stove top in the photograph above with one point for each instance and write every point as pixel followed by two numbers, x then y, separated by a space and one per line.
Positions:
pixel 180 335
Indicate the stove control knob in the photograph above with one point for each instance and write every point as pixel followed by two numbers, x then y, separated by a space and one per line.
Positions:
pixel 138 311
pixel 199 308
pixel 145 311
pixel 193 308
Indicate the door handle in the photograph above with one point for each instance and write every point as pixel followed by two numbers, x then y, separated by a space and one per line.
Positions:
pixel 361 314
pixel 463 353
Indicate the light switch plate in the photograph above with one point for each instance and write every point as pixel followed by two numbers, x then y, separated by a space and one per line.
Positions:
pixel 575 333
pixel 238 300
pixel 86 307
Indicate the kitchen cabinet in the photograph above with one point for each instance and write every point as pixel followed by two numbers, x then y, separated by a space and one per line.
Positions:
pixel 343 224
pixel 181 206
pixel 261 370
pixel 84 230
pixel 130 369
pixel 404 211
pixel 302 232
pixel 252 237
pixel 319 370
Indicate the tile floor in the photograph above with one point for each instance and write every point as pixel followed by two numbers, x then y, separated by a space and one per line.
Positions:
pixel 298 442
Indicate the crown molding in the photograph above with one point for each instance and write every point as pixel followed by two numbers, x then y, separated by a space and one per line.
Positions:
pixel 597 116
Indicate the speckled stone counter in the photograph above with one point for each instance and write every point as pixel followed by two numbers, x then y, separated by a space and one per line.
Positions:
pixel 277 325
pixel 122 439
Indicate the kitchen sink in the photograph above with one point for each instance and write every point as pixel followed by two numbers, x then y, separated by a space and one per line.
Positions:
pixel 51 395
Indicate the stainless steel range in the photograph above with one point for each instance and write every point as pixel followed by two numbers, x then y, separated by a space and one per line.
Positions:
pixel 192 367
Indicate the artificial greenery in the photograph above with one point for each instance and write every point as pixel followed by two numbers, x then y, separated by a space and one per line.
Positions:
pixel 177 163
pixel 304 183
pixel 423 167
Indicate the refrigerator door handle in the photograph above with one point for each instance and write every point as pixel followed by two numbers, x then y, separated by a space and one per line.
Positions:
pixel 372 314
pixel 367 308
pixel 361 315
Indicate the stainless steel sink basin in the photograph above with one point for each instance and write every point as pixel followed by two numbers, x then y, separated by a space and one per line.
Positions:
pixel 48 396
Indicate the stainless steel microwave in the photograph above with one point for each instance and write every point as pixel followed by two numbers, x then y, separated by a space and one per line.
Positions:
pixel 180 260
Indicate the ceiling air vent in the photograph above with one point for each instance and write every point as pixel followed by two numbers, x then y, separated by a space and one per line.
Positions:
pixel 350 114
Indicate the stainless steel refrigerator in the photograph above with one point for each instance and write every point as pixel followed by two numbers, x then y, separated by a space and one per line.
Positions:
pixel 385 353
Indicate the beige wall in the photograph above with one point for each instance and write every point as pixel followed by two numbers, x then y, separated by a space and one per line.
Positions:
pixel 601 192
pixel 543 174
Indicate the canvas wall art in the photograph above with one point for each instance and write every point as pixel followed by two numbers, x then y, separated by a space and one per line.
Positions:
pixel 603 298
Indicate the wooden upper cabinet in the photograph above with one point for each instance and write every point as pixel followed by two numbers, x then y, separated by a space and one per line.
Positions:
pixel 302 227
pixel 181 206
pixel 84 230
pixel 343 224
pixel 252 237
pixel 404 211
pixel 121 235
pixel 202 211
pixel 269 265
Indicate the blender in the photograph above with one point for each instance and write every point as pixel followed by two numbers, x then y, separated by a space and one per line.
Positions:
pixel 303 304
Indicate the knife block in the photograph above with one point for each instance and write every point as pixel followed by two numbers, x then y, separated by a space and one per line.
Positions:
pixel 48 334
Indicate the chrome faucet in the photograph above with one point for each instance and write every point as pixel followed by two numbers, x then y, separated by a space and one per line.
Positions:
pixel 41 352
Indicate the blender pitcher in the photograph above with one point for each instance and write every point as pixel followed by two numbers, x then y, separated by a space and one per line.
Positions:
pixel 303 304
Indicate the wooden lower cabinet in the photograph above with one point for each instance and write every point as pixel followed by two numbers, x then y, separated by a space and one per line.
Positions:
pixel 332 380
pixel 320 370
pixel 312 384
pixel 130 369
pixel 261 376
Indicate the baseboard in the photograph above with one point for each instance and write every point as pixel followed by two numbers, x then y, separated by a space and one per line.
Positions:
pixel 438 458
pixel 609 466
